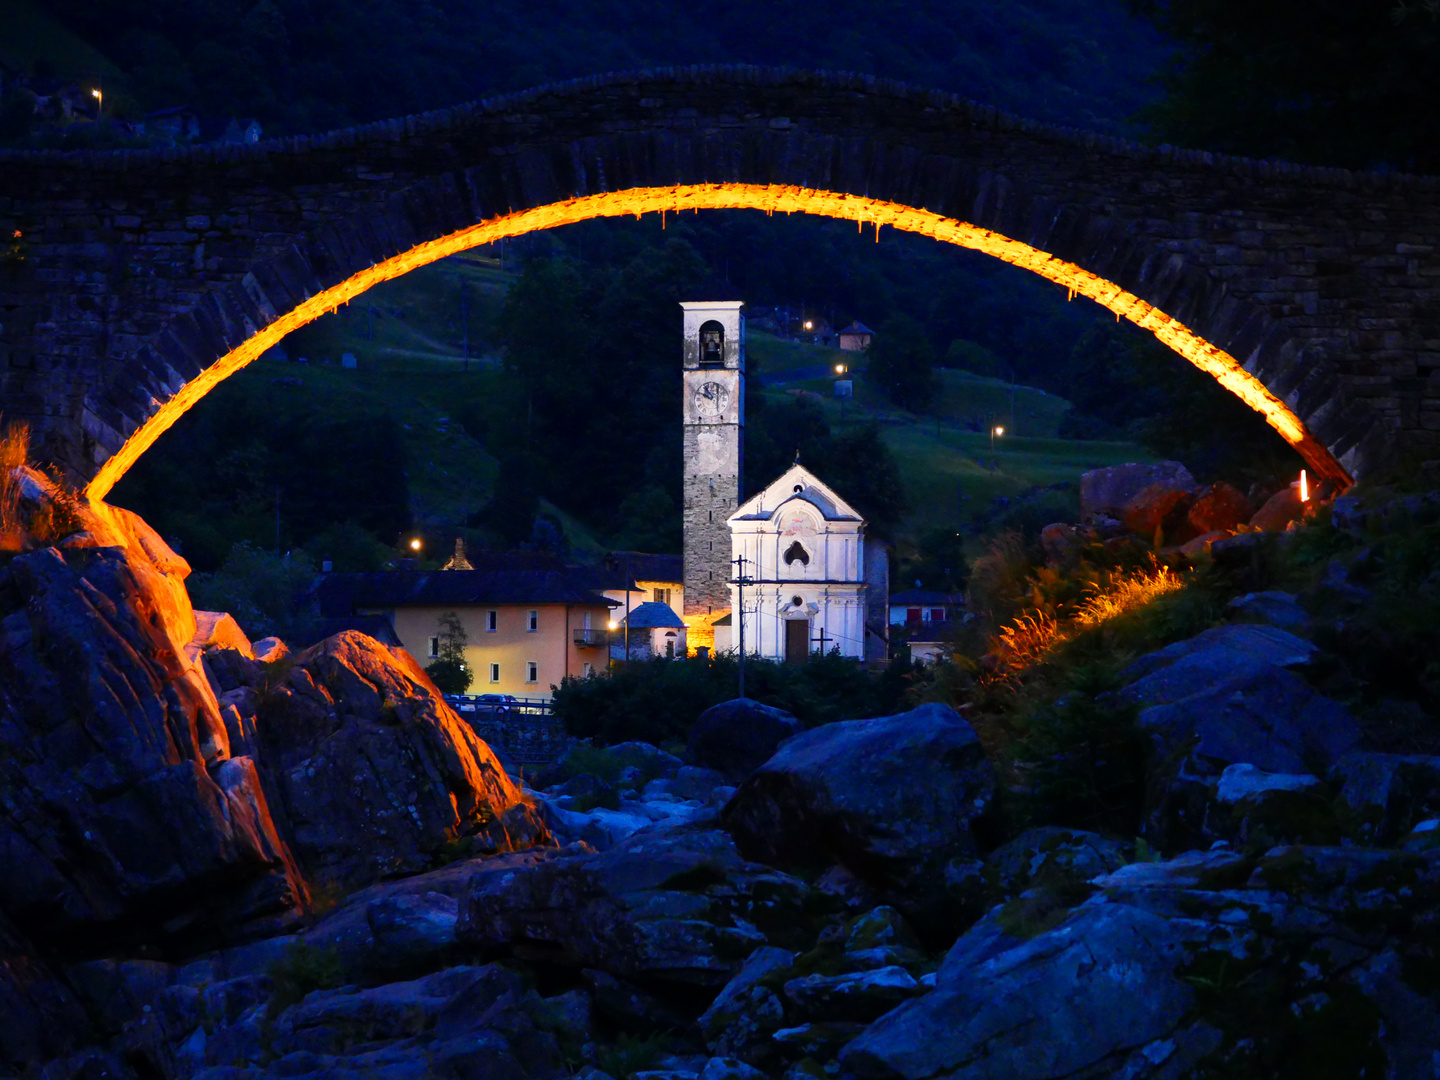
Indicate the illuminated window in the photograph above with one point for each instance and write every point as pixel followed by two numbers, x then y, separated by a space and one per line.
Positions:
pixel 492 621
pixel 434 647
pixel 534 623
pixel 662 596
pixel 494 672
pixel 532 671
pixel 587 670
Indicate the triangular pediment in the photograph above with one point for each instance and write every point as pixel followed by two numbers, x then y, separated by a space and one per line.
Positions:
pixel 796 484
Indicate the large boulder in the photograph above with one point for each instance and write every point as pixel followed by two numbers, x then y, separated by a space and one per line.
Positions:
pixel 123 808
pixel 1227 698
pixel 375 771
pixel 1279 511
pixel 1104 492
pixel 1219 507
pixel 39 1016
pixel 1303 962
pixel 1158 510
pixel 737 737
pixel 895 800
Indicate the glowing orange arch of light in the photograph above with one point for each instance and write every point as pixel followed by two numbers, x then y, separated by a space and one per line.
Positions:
pixel 873 212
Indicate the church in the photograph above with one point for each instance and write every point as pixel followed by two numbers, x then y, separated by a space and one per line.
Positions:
pixel 788 571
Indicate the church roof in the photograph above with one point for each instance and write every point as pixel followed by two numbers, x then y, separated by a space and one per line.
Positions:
pixel 858 327
pixel 653 615
pixel 763 505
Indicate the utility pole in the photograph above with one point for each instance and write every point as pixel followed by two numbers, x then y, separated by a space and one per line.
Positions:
pixel 741 580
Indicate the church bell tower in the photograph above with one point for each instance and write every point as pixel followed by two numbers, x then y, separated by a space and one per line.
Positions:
pixel 714 450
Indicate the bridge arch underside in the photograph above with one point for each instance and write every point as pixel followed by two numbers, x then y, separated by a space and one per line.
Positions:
pixel 1309 293
pixel 1296 399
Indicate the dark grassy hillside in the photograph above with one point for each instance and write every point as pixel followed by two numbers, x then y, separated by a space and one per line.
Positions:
pixel 304 65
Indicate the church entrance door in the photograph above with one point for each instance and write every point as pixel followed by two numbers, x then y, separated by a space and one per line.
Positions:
pixel 797 640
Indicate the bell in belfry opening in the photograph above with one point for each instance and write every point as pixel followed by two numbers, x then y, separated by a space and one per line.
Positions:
pixel 712 345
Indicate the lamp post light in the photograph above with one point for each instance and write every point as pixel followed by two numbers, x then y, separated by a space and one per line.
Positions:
pixel 994 431
pixel 416 544
pixel 99 102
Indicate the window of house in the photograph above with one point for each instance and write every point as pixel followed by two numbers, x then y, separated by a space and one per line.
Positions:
pixel 937 614
pixel 912 614
pixel 492 621
pixel 434 646
pixel 587 670
pixel 534 621
pixel 532 671
pixel 662 596
pixel 494 672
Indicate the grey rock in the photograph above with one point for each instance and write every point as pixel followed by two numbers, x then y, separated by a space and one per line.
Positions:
pixel 1046 1007
pixel 651 760
pixel 411 933
pixel 1210 659
pixel 892 799
pixel 737 737
pixel 1047 852
pixel 727 1068
pixel 743 1016
pixel 857 996
pixel 1106 491
pixel 1241 782
pixel 676 906
pixel 1273 608
pixel 1388 794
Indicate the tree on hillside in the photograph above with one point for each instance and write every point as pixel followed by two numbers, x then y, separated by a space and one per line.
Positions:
pixel 449 671
pixel 1332 82
pixel 901 363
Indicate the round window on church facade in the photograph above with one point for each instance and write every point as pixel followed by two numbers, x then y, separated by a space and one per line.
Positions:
pixel 797 601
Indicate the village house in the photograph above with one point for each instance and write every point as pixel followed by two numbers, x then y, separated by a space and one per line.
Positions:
pixel 856 337
pixel 526 626
pixel 925 607
pixel 650 630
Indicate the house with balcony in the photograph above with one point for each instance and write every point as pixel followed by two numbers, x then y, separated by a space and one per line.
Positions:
pixel 526 626
pixel 926 608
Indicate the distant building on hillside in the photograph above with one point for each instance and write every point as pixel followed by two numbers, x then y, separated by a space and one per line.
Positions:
pixel 242 131
pixel 175 125
pixel 856 337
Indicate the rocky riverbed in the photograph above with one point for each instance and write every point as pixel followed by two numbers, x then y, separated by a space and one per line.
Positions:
pixel 223 859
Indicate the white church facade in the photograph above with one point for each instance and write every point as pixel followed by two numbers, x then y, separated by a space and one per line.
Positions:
pixel 799 587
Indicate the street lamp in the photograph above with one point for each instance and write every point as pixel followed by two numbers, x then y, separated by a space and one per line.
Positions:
pixel 994 431
pixel 415 544
pixel 99 102
pixel 839 369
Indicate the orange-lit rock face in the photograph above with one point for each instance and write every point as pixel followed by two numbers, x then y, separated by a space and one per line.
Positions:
pixel 867 213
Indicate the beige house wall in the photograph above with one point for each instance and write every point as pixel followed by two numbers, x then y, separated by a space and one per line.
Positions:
pixel 512 644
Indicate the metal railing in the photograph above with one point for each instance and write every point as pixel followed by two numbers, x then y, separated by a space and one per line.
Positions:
pixel 587 638
pixel 500 704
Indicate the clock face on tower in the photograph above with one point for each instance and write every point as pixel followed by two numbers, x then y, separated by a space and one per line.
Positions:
pixel 711 398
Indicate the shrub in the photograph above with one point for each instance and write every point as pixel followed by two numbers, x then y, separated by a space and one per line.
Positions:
pixel 657 701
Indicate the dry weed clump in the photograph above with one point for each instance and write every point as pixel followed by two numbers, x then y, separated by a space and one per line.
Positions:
pixel 52 519
pixel 14 452
pixel 1031 636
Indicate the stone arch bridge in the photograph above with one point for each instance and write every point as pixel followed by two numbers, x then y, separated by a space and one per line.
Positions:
pixel 131 282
